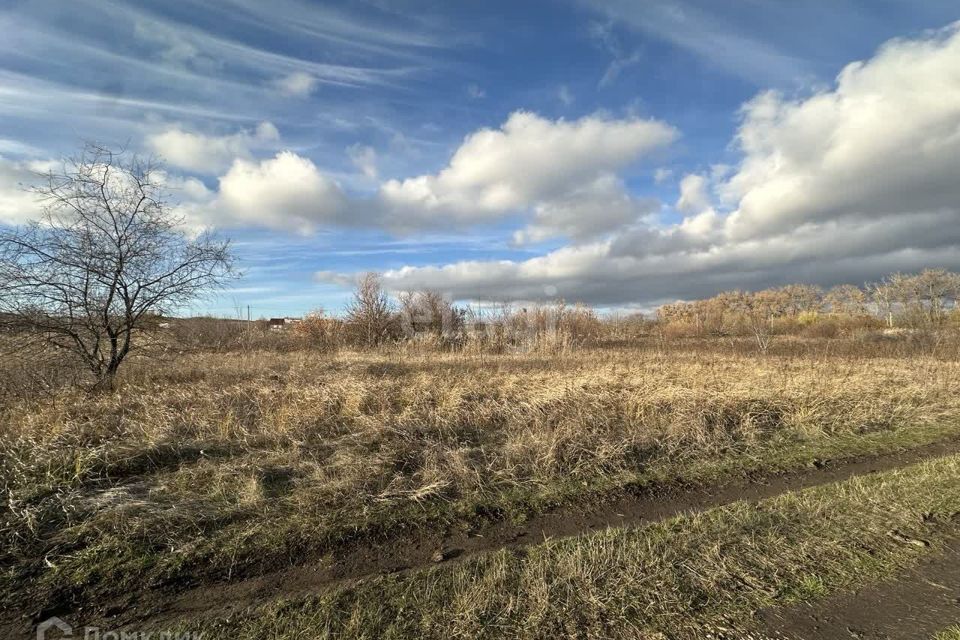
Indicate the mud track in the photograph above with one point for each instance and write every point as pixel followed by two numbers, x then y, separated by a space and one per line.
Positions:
pixel 915 605
pixel 155 608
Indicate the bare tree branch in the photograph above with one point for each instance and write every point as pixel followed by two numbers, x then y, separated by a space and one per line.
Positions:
pixel 107 254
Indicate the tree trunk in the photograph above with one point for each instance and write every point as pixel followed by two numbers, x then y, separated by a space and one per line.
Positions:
pixel 106 379
pixel 105 383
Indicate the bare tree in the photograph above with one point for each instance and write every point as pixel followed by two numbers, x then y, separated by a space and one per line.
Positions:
pixel 429 311
pixel 930 295
pixel 886 294
pixel 106 256
pixel 370 316
pixel 847 299
pixel 758 310
pixel 801 298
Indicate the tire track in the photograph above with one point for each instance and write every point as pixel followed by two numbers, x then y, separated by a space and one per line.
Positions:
pixel 421 549
pixel 914 605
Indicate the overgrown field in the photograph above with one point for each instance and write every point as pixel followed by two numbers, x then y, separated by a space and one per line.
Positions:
pixel 217 466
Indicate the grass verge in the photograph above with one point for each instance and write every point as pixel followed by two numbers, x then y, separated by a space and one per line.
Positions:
pixel 109 562
pixel 682 578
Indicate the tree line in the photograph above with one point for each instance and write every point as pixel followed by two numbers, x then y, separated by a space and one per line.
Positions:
pixel 109 258
pixel 924 300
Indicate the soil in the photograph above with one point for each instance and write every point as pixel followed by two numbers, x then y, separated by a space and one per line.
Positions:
pixel 417 549
pixel 917 604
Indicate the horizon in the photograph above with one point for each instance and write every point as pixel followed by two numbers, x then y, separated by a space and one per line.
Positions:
pixel 600 152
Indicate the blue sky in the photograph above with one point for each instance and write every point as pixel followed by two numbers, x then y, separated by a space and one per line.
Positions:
pixel 662 172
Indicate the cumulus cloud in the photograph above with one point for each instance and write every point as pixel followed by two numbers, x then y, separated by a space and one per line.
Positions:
pixel 694 195
pixel 528 160
pixel 699 232
pixel 842 186
pixel 298 84
pixel 560 173
pixel 651 266
pixel 209 154
pixel 284 192
pixel 187 189
pixel 595 209
pixel 885 140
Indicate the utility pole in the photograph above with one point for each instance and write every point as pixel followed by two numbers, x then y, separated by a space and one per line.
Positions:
pixel 248 313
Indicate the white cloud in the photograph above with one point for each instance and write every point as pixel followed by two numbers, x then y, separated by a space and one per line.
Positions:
pixel 655 265
pixel 564 95
pixel 595 209
pixel 662 174
pixel 283 192
pixel 617 66
pixel 694 197
pixel 19 148
pixel 884 141
pixel 560 172
pixel 698 232
pixel 700 30
pixel 174 46
pixel 528 160
pixel 843 186
pixel 298 84
pixel 604 36
pixel 17 203
pixel 476 92
pixel 209 154
pixel 188 189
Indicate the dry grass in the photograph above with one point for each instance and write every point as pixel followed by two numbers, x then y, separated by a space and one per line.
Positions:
pixel 694 576
pixel 951 633
pixel 216 463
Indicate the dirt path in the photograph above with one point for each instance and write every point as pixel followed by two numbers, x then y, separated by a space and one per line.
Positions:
pixel 424 548
pixel 916 605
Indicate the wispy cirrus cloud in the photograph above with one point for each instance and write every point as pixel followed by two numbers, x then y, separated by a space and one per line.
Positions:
pixel 702 32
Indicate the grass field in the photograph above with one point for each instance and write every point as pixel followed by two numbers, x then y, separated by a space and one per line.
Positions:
pixel 218 467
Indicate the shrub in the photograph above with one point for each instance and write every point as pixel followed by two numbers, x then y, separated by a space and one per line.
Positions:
pixel 320 331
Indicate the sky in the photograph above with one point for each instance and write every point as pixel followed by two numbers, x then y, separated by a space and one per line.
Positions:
pixel 618 153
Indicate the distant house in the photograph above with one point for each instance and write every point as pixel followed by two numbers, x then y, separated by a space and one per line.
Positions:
pixel 279 324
